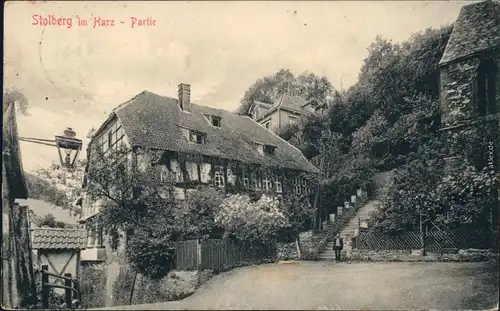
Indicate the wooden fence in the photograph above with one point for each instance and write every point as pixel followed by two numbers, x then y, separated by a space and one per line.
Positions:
pixel 433 240
pixel 72 295
pixel 218 254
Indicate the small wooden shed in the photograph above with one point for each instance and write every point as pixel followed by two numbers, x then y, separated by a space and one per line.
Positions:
pixel 59 249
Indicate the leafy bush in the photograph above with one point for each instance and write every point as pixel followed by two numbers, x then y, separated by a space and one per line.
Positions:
pixel 298 210
pixel 151 251
pixel 195 216
pixel 461 196
pixel 139 203
pixel 407 197
pixel 50 221
pixel 465 197
pixel 250 222
pixel 41 189
pixel 92 286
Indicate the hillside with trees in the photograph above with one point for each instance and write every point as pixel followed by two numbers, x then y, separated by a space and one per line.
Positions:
pixel 389 120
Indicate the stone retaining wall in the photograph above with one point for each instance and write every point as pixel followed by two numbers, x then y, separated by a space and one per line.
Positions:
pixel 462 255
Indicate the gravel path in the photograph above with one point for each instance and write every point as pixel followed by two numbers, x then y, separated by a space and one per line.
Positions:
pixel 327 285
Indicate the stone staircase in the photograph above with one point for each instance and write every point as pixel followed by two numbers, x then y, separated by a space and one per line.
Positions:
pixel 349 231
pixel 363 213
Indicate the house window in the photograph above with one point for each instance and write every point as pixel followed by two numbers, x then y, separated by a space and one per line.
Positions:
pixel 219 177
pixel 292 120
pixel 277 185
pixel 267 184
pixel 90 235
pixel 100 235
pixel 268 125
pixel 216 121
pixel 269 149
pixel 304 186
pixel 196 138
pixel 104 143
pixel 163 173
pixel 246 180
pixel 176 170
pixel 110 139
pixel 95 234
pixel 296 183
pixel 487 73
pixel 256 182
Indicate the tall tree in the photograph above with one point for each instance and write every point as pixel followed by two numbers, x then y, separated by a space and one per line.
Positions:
pixel 138 200
pixel 65 180
pixel 314 89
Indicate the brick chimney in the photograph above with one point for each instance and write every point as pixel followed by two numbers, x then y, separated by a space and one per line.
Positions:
pixel 184 96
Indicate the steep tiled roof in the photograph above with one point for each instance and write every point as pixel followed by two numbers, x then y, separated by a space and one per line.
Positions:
pixel 294 103
pixel 51 238
pixel 267 105
pixel 477 29
pixel 156 122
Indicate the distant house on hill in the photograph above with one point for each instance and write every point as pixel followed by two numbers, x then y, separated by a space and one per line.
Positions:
pixel 232 151
pixel 286 110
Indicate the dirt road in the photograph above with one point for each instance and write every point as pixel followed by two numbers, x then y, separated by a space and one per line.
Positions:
pixel 325 285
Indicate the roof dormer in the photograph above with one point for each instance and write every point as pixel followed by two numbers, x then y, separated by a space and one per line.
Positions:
pixel 215 121
pixel 265 149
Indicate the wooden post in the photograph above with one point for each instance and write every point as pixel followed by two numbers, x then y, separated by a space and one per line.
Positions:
pixel 68 291
pixel 198 259
pixel 297 245
pixel 78 293
pixel 422 235
pixel 132 290
pixel 316 196
pixel 45 287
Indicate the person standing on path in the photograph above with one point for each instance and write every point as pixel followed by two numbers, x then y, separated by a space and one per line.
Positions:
pixel 338 245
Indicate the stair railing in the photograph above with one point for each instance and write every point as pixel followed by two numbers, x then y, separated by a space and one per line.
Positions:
pixel 341 222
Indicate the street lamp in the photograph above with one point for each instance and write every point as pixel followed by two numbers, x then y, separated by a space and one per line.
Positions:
pixel 66 143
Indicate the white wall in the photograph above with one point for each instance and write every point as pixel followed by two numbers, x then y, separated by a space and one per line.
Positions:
pixel 58 259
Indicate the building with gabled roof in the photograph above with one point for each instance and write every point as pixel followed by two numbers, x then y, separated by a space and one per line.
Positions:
pixel 235 153
pixel 286 110
pixel 470 91
pixel 58 249
pixel 476 31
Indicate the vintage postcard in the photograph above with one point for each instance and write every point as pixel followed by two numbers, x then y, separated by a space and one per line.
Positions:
pixel 314 155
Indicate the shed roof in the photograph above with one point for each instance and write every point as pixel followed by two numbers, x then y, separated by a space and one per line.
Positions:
pixel 476 29
pixel 52 238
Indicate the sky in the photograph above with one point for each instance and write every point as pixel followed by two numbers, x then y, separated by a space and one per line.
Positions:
pixel 74 76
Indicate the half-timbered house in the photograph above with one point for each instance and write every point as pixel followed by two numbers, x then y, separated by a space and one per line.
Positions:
pixel 199 145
